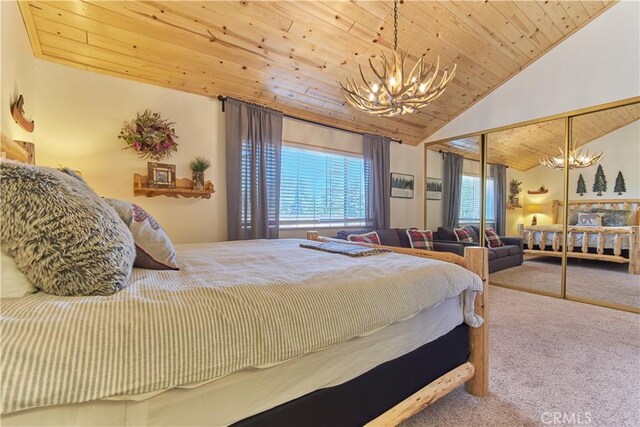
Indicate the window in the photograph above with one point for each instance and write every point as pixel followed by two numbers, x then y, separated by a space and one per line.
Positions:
pixel 470 200
pixel 320 188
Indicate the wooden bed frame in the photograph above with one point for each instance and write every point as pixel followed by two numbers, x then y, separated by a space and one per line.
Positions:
pixel 633 232
pixel 475 372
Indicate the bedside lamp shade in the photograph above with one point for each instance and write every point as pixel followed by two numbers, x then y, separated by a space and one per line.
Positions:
pixel 534 209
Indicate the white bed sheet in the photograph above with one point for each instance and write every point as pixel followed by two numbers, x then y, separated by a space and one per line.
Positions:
pixel 251 391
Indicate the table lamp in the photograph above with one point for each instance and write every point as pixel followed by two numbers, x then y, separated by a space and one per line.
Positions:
pixel 534 209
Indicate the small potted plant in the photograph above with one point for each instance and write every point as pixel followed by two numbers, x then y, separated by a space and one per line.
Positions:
pixel 198 166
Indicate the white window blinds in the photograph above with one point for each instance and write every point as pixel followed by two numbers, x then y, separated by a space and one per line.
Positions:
pixel 321 188
pixel 470 200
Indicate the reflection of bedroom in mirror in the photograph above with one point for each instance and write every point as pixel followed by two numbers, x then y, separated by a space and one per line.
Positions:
pixel 529 196
pixel 534 186
pixel 603 208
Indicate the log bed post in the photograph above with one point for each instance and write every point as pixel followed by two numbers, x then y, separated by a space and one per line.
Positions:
pixel 634 249
pixel 477 261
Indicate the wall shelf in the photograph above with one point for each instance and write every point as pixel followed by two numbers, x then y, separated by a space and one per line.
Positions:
pixel 512 207
pixel 538 191
pixel 184 188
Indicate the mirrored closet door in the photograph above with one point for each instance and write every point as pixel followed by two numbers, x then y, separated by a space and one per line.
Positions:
pixel 560 203
pixel 453 193
pixel 603 202
pixel 521 198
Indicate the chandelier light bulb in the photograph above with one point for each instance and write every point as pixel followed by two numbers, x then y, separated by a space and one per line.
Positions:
pixel 371 97
pixel 375 88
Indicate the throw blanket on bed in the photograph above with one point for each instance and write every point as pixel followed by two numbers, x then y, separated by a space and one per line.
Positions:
pixel 231 306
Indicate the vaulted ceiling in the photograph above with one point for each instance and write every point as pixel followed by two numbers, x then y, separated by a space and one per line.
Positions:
pixel 292 54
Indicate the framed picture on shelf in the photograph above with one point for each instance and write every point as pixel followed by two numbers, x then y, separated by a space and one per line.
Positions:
pixel 434 189
pixel 402 185
pixel 161 175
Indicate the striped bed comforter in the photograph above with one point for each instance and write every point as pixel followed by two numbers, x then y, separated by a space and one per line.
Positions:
pixel 231 306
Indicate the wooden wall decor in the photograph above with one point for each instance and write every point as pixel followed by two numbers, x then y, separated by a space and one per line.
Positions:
pixel 17 112
pixel 292 54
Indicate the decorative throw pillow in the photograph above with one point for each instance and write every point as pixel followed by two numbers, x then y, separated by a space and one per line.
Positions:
pixel 371 237
pixel 13 283
pixel 420 239
pixel 464 234
pixel 62 235
pixel 493 240
pixel 154 250
pixel 615 217
pixel 591 219
pixel 573 216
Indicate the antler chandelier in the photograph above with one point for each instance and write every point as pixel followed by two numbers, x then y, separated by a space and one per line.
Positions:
pixel 577 159
pixel 395 93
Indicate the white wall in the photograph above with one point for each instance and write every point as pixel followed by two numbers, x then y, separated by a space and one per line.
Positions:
pixel 79 116
pixel 17 74
pixel 621 150
pixel 434 207
pixel 532 180
pixel 408 159
pixel 600 63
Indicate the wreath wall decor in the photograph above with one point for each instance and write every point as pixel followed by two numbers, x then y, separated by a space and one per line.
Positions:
pixel 151 136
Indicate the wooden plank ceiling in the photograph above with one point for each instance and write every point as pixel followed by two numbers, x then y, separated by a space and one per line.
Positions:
pixel 521 147
pixel 292 54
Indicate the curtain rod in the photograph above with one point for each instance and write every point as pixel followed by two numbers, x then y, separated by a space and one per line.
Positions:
pixel 224 98
pixel 444 152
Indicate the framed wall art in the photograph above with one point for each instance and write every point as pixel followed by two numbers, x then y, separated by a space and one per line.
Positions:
pixel 434 189
pixel 402 185
pixel 161 175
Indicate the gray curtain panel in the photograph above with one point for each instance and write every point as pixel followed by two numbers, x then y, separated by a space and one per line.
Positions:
pixel 254 143
pixel 451 188
pixel 377 177
pixel 500 196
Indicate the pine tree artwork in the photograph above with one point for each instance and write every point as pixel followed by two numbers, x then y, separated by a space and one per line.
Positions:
pixel 600 184
pixel 620 187
pixel 582 187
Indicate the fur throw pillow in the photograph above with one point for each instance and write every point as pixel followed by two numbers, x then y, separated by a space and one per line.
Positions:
pixel 61 234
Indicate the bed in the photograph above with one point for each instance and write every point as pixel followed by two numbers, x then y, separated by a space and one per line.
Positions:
pixel 252 333
pixel 603 243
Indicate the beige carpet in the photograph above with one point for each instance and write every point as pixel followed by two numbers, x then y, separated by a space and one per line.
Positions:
pixel 602 281
pixel 551 355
